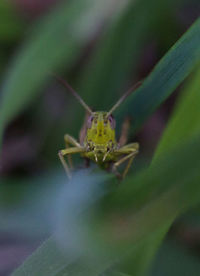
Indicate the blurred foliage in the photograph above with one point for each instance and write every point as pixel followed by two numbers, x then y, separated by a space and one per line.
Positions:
pixel 99 227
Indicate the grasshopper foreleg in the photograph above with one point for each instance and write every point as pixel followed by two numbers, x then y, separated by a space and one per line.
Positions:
pixel 69 140
pixel 68 151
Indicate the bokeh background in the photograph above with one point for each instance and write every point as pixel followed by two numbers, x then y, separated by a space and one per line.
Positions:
pixel 120 46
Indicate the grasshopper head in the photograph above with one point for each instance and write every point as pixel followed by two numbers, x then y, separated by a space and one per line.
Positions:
pixel 100 136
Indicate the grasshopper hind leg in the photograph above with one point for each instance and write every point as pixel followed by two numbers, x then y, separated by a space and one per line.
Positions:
pixel 128 152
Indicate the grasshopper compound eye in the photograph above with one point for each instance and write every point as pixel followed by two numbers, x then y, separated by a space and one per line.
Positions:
pixel 89 121
pixel 112 121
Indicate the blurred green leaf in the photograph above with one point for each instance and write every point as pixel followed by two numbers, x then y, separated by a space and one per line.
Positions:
pixel 167 75
pixel 55 40
pixel 184 122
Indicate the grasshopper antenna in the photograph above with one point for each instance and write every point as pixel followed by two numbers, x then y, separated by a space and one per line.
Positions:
pixel 124 96
pixel 76 95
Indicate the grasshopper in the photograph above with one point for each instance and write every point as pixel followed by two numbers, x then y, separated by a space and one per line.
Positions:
pixel 97 141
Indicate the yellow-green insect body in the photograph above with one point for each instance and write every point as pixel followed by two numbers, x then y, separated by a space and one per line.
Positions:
pixel 97 140
pixel 100 141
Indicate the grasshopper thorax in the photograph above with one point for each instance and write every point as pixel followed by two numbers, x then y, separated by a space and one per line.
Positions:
pixel 100 136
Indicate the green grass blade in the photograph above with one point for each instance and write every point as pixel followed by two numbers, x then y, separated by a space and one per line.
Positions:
pixel 184 122
pixel 166 76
